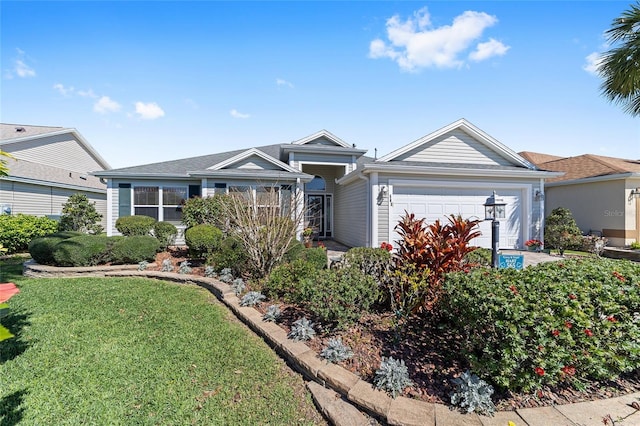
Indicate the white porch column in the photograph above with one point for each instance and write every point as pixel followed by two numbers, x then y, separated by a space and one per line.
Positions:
pixel 373 196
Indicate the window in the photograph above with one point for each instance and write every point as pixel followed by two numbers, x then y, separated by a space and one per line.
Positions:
pixel 220 188
pixel 267 199
pixel 316 184
pixel 147 201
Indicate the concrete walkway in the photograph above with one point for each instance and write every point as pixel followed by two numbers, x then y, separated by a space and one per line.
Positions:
pixel 343 397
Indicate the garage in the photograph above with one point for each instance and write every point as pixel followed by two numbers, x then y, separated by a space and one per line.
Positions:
pixel 438 202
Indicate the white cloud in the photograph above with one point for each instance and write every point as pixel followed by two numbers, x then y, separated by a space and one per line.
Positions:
pixel 87 94
pixel 64 91
pixel 486 50
pixel 593 63
pixel 20 67
pixel 149 111
pixel 235 114
pixel 415 43
pixel 105 105
pixel 281 82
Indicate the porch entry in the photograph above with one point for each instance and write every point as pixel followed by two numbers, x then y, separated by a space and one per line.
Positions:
pixel 319 214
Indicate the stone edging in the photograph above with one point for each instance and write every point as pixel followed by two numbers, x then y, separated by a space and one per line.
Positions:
pixel 398 411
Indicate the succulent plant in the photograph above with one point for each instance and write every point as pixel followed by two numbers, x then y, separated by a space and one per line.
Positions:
pixel 143 265
pixel 167 266
pixel 392 376
pixel 185 267
pixel 252 298
pixel 210 272
pixel 336 351
pixel 226 276
pixel 302 329
pixel 238 286
pixel 272 314
pixel 473 394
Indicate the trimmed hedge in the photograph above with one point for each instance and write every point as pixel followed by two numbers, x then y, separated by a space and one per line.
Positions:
pixel 165 233
pixel 16 232
pixel 135 225
pixel 134 249
pixel 569 321
pixel 285 280
pixel 203 239
pixel 84 250
pixel 41 249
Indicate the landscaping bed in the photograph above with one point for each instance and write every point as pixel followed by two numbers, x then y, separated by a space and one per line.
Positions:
pixel 431 351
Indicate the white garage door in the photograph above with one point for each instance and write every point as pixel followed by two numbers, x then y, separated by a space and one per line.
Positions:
pixel 438 203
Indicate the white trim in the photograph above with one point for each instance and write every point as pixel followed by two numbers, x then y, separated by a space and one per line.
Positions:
pixel 373 195
pixel 542 212
pixel 249 153
pixel 525 189
pixel 322 133
pixel 110 208
pixel 469 128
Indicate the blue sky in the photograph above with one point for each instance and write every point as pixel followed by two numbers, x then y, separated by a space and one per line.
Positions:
pixel 153 81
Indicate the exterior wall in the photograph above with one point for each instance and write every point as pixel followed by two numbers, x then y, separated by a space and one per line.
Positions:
pixel 531 208
pixel 254 163
pixel 346 161
pixel 41 200
pixel 597 206
pixel 455 147
pixel 329 173
pixel 62 151
pixel 350 213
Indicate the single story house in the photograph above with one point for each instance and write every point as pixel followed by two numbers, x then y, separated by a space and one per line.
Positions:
pixel 603 193
pixel 50 164
pixel 351 198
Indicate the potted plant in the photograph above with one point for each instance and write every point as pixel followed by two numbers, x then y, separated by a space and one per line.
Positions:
pixel 306 236
pixel 533 245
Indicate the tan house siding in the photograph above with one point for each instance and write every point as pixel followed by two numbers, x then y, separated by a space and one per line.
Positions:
pixel 455 147
pixel 62 151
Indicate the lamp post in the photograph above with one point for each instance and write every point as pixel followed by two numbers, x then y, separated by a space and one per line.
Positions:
pixel 494 209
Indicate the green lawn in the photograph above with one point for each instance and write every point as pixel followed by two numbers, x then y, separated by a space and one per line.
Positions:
pixel 136 351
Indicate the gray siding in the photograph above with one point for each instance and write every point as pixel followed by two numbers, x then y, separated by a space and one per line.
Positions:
pixel 383 216
pixel 329 173
pixel 455 147
pixel 350 213
pixel 62 151
pixel 254 163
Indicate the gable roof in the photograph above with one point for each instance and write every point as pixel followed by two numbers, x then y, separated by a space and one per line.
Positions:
pixel 590 166
pixel 322 134
pixel 251 153
pixel 45 175
pixel 16 133
pixel 476 133
pixel 538 157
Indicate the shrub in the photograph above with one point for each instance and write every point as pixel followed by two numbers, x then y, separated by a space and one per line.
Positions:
pixel 339 297
pixel 582 329
pixel 16 232
pixel 375 262
pixel 135 225
pixel 392 376
pixel 185 268
pixel 230 254
pixel 79 214
pixel 41 249
pixel 206 211
pixel 134 249
pixel 473 394
pixel 561 231
pixel 238 286
pixel 294 252
pixel 285 281
pixel 203 239
pixel 167 266
pixel 594 244
pixel 435 249
pixel 165 233
pixel 635 245
pixel 84 250
pixel 317 256
pixel 479 257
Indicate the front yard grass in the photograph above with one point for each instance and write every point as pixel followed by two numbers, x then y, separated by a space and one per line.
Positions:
pixel 138 351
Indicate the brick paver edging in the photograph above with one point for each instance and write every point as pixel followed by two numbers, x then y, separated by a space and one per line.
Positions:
pixel 395 411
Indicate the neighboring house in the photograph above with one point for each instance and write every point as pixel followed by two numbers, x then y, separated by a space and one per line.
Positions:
pixel 599 191
pixel 351 198
pixel 50 164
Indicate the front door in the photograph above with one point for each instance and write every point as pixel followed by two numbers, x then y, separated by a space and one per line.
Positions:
pixel 320 214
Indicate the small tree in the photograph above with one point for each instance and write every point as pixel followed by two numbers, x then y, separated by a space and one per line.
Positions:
pixel 205 211
pixel 561 231
pixel 265 224
pixel 78 214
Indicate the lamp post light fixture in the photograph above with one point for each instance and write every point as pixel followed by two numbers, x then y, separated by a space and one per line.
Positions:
pixel 494 210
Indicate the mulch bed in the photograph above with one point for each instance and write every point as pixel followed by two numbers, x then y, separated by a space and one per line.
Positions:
pixel 431 353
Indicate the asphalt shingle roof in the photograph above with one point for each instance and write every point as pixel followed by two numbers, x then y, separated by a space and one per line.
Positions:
pixel 586 166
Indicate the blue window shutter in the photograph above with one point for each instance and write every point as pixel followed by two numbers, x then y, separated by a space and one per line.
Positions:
pixel 124 199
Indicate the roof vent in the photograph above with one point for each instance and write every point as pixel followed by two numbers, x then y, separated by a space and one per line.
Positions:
pixel 20 129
